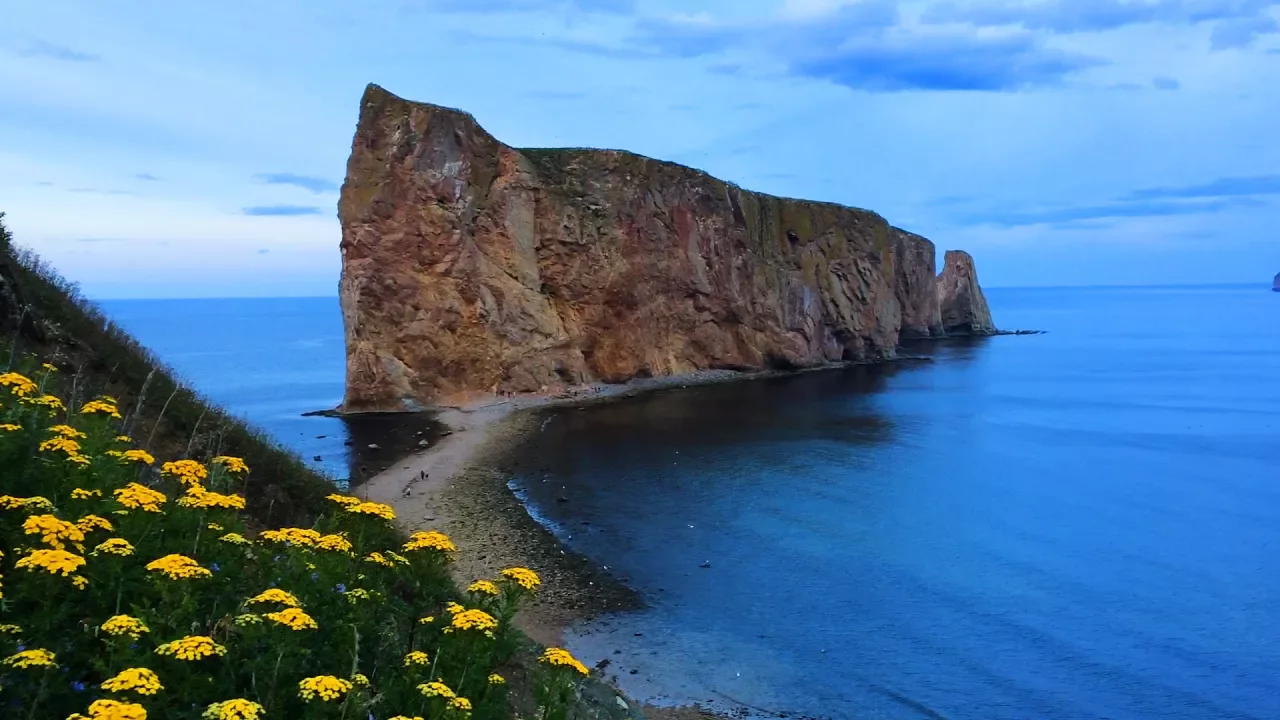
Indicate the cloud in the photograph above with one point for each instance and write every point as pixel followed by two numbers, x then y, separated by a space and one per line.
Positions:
pixel 1075 16
pixel 1164 82
pixel 40 48
pixel 555 95
pixel 314 184
pixel 610 7
pixel 1220 188
pixel 1241 32
pixel 146 176
pixel 263 251
pixel 98 191
pixel 282 210
pixel 1115 211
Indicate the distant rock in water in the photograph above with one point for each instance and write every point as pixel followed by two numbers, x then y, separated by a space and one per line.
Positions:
pixel 963 306
pixel 1275 284
pixel 470 268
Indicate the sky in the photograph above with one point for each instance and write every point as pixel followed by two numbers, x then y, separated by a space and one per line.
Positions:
pixel 196 149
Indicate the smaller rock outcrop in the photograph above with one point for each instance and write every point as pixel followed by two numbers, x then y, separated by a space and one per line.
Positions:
pixel 962 305
pixel 1275 284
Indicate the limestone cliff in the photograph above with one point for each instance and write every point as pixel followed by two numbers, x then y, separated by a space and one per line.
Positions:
pixel 963 306
pixel 471 268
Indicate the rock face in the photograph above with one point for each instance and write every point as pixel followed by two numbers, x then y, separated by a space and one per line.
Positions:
pixel 472 268
pixel 963 306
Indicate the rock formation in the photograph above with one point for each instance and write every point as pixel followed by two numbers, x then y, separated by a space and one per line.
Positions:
pixel 963 306
pixel 1275 284
pixel 472 268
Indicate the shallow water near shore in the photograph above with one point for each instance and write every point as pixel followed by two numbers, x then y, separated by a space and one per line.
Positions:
pixel 1079 524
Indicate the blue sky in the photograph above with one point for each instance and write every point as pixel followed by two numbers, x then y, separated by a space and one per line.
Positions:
pixel 161 149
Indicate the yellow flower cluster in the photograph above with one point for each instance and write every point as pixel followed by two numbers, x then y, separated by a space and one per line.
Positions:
pixel 483 587
pixel 293 618
pixel 232 464
pixel 355 594
pixel 139 497
pixel 524 577
pixel 9 502
pixel 52 531
pixel 379 559
pixel 141 457
pixel 101 406
pixel 114 546
pixel 112 710
pixel 325 687
pixel 54 562
pixel 436 689
pixel 235 539
pixel 560 657
pixel 372 508
pixel 34 658
pixel 82 494
pixel 124 625
pixel 67 431
pixel 496 679
pixel 47 401
pixel 139 680
pixel 192 647
pixel 197 497
pixel 306 537
pixel 9 427
pixel 18 384
pixel 432 540
pixel 10 629
pixel 460 703
pixel 275 595
pixel 89 523
pixel 178 567
pixel 333 543
pixel 474 620
pixel 417 657
pixel 66 445
pixel 237 709
pixel 188 472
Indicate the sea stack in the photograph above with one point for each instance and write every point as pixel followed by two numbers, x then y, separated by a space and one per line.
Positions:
pixel 470 268
pixel 1275 284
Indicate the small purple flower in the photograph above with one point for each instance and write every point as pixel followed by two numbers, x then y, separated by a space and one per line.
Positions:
pixel 78 686
pixel 215 567
pixel 315 576
pixel 340 588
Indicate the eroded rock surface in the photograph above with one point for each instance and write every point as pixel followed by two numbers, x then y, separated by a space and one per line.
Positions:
pixel 472 268
pixel 963 306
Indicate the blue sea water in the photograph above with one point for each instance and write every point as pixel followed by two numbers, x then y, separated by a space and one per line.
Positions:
pixel 1081 524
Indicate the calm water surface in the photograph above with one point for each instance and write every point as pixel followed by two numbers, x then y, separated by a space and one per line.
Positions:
pixel 1083 524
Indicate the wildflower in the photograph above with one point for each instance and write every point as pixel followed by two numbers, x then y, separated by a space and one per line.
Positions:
pixel 189 472
pixel 235 539
pixel 52 531
pixel 406 717
pixel 474 620
pixel 135 456
pixel 524 577
pixel 372 508
pixel 355 594
pixel 9 427
pixel 360 679
pixel 82 494
pixel 58 443
pixel 52 561
pixel 436 689
pixel 114 546
pixel 18 384
pixel 178 567
pixel 232 464
pixel 380 559
pixel 8 629
pixel 123 439
pixel 496 679
pixel 89 523
pixel 139 497
pixel 325 687
pixel 460 703
pixel 247 619
pixel 561 657
pixel 198 497
pixel 334 542
pixel 430 539
pixel 80 582
pixel 293 618
pixel 305 537
pixel 49 401
pixel 49 366
pixel 192 647
pixel 238 709
pixel 100 406
pixel 35 657
pixel 427 620
pixel 139 680
pixel 453 608
pixel 67 431
pixel 483 587
pixel 79 459
pixel 417 657
pixel 118 625
pixel 345 501
pixel 36 502
pixel 112 710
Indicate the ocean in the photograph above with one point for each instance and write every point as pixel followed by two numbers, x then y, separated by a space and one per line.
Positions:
pixel 1079 524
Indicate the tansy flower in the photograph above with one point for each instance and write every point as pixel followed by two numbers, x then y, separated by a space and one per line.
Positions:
pixel 192 647
pixel 9 427
pixel 54 562
pixel 560 657
pixel 343 500
pixel 49 366
pixel 293 618
pixel 372 508
pixel 178 567
pixel 112 710
pixel 52 531
pixel 235 539
pixel 274 595
pixel 139 680
pixel 49 401
pixel 483 587
pixel 453 608
pixel 139 497
pixel 18 384
pixel 406 717
pixel 334 542
pixel 460 703
pixel 114 546
pixel 35 657
pixel 360 679
pixel 198 497
pixel 396 557
pixel 80 582
pixel 496 679
pixel 355 594
pixel 214 527
pixel 82 494
pixel 123 439
pixel 124 625
pixel 59 443
pixel 524 577
pixel 247 619
pixel 378 558
pixel 474 620
pixel 89 523
pixel 9 629
pixel 67 431
pixel 325 687
pixel 232 464
pixel 9 502
pixel 427 620
pixel 306 537
pixel 417 657
pixel 189 472
pixel 135 456
pixel 101 407
pixel 430 539
pixel 436 689
pixel 238 709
